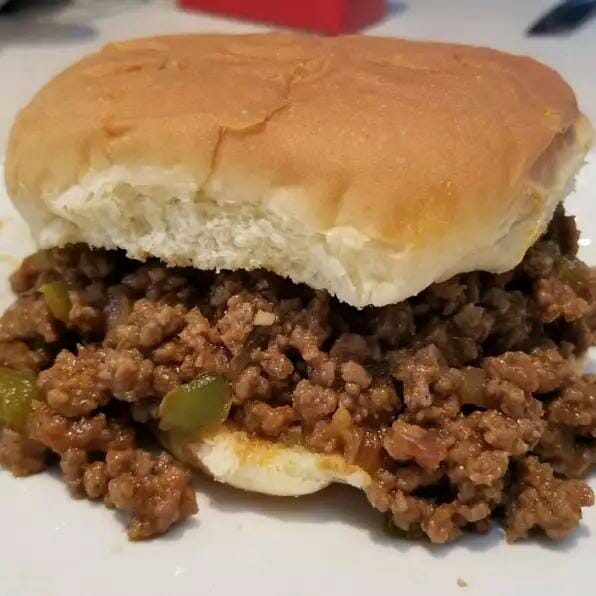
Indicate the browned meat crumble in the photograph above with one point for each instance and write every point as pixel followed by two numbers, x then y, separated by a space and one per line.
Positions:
pixel 464 403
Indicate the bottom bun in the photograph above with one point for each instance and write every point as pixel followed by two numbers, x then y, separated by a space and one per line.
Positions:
pixel 233 457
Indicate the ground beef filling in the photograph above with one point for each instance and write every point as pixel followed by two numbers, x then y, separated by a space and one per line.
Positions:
pixel 463 403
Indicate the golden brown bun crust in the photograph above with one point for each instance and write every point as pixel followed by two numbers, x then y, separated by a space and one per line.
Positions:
pixel 402 141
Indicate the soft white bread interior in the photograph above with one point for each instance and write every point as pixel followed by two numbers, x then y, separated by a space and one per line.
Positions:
pixel 368 167
pixel 242 461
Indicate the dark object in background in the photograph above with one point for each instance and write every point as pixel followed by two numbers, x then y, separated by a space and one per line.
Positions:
pixel 564 17
pixel 18 6
pixel 326 16
pixel 8 7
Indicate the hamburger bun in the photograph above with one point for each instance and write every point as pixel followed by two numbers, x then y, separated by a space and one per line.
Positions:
pixel 364 166
pixel 243 461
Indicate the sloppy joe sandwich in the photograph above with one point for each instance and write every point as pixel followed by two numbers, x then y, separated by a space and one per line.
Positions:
pixel 297 261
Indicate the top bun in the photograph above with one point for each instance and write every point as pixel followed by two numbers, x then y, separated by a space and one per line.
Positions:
pixel 364 166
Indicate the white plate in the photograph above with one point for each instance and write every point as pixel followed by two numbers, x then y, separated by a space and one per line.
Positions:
pixel 326 544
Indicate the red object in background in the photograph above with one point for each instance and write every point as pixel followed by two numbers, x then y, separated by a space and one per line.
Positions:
pixel 327 16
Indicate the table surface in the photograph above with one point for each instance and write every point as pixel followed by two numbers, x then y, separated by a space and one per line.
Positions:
pixel 40 41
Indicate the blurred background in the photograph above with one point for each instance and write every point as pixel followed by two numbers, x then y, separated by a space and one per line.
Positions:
pixel 40 37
